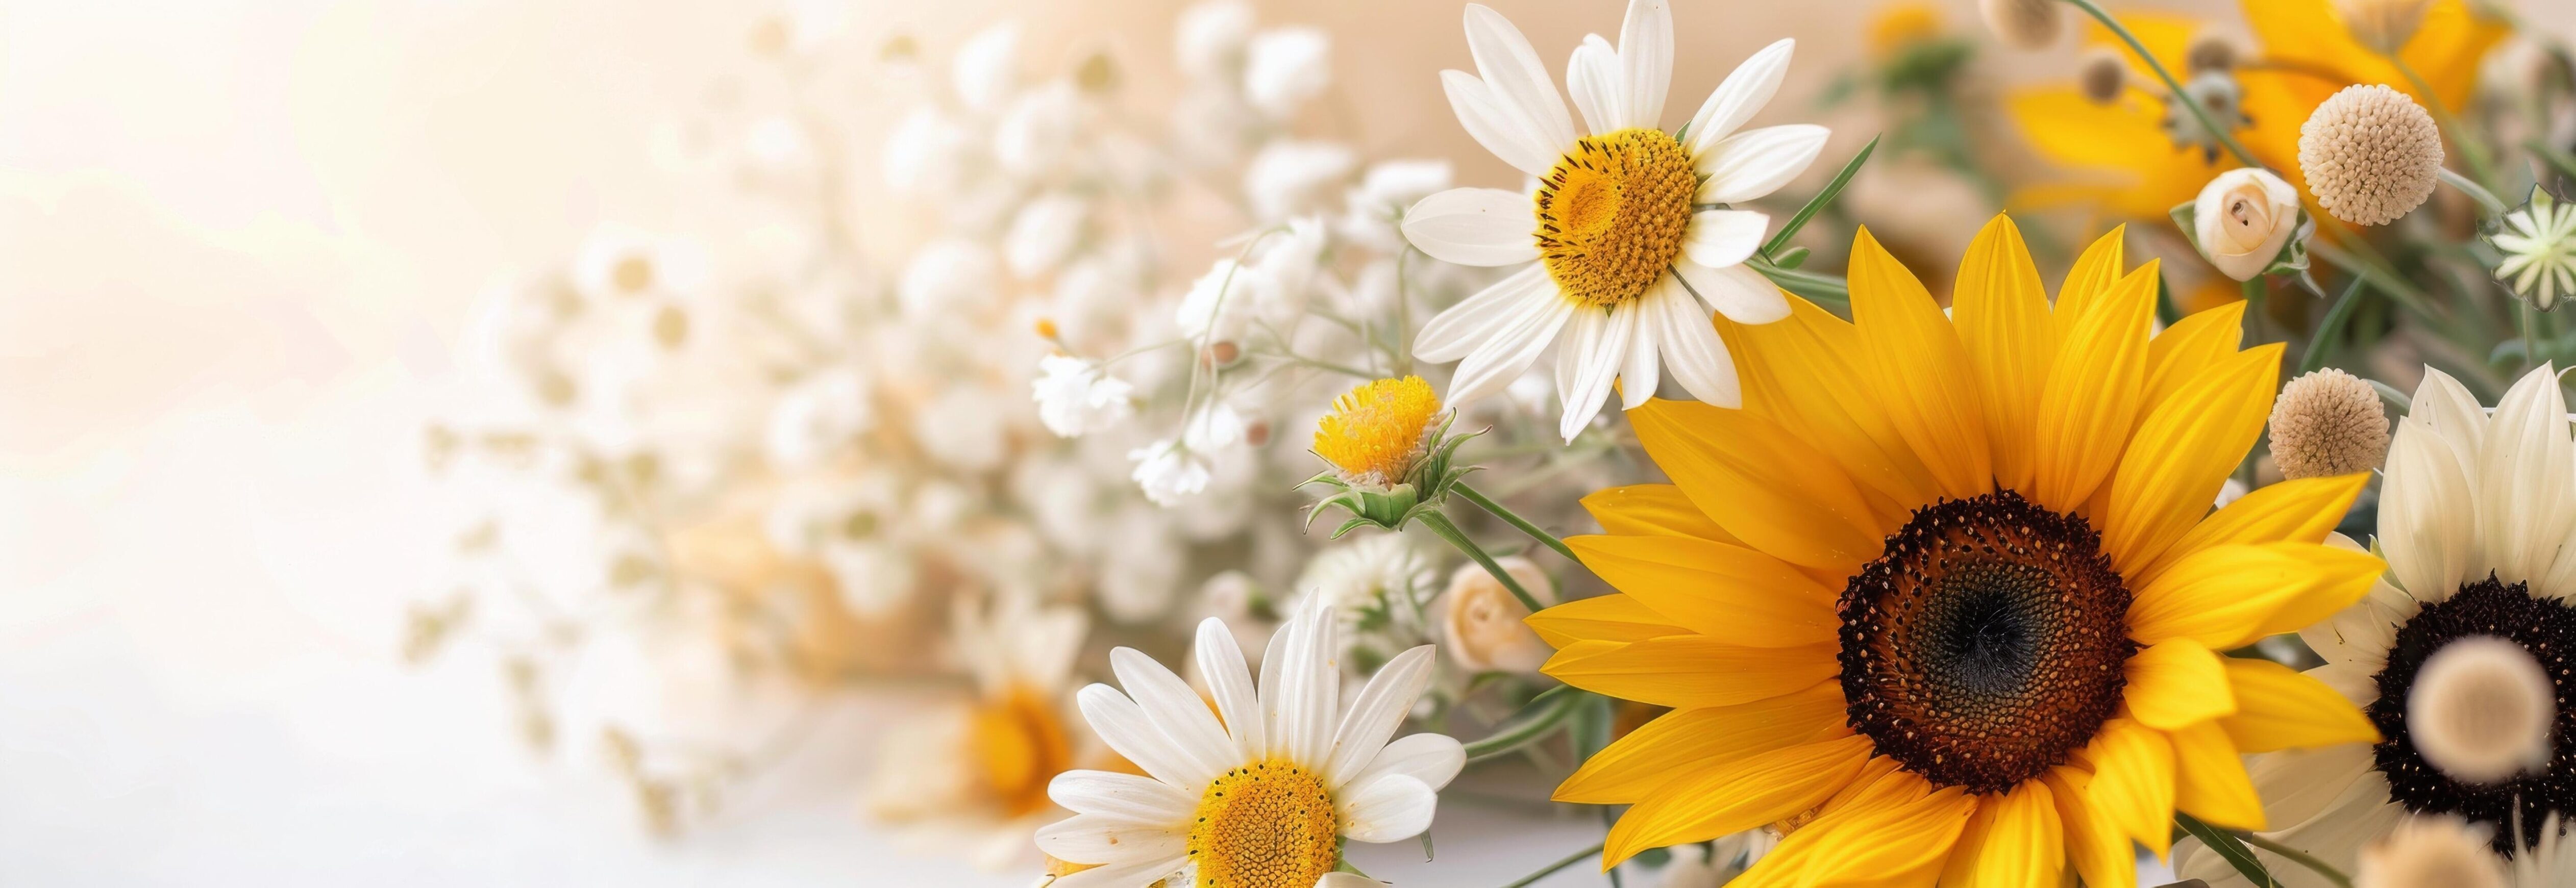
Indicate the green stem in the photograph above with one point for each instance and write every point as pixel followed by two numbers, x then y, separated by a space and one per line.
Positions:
pixel 2381 279
pixel 1487 504
pixel 1523 733
pixel 2256 324
pixel 1440 525
pixel 2179 97
pixel 1825 289
pixel 2529 320
pixel 1550 869
pixel 2320 345
pixel 2297 856
pixel 2474 190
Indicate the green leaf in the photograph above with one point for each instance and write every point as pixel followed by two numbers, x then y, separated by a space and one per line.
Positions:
pixel 1791 258
pixel 1817 204
pixel 2229 849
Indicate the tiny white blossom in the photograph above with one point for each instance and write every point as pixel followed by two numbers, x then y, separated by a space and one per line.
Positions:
pixel 1286 67
pixel 1209 38
pixel 2539 246
pixel 1291 177
pixel 1169 472
pixel 1075 398
pixel 1044 234
pixel 986 69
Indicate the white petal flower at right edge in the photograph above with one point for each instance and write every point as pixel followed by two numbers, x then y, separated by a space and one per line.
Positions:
pixel 1623 258
pixel 2454 658
pixel 2539 246
pixel 1226 792
pixel 1075 398
pixel 2242 219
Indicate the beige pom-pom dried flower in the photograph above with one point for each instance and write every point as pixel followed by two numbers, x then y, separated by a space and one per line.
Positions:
pixel 2023 24
pixel 2210 52
pixel 2382 25
pixel 2370 154
pixel 2482 711
pixel 2328 423
pixel 2431 851
pixel 2104 76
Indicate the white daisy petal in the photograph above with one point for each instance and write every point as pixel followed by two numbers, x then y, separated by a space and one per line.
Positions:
pixel 1740 96
pixel 1741 294
pixel 1753 163
pixel 2447 405
pixel 1646 55
pixel 1123 725
pixel 1121 797
pixel 1374 714
pixel 1386 809
pixel 1125 875
pixel 2527 479
pixel 1475 320
pixel 1589 361
pixel 1501 357
pixel 1507 64
pixel 1496 126
pixel 1175 710
pixel 1301 727
pixel 1692 351
pixel 1230 682
pixel 2427 519
pixel 1593 77
pixel 1348 880
pixel 1639 374
pixel 1434 759
pixel 1474 226
pixel 2298 784
pixel 1086 838
pixel 2357 634
pixel 1723 238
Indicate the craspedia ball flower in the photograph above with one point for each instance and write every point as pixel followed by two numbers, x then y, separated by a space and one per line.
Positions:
pixel 2210 52
pixel 1947 591
pixel 2382 25
pixel 2483 710
pixel 2328 423
pixel 2432 852
pixel 2539 246
pixel 2370 154
pixel 2103 76
pixel 2023 24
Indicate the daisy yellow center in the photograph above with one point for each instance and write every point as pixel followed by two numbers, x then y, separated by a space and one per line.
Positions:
pixel 1265 825
pixel 632 274
pixel 1020 745
pixel 1611 215
pixel 1987 644
pixel 1375 432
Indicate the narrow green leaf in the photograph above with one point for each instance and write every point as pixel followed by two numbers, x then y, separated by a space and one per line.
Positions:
pixel 1817 204
pixel 2229 849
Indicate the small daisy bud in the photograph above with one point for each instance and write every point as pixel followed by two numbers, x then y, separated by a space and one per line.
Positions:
pixel 2210 52
pixel 2023 24
pixel 2328 423
pixel 2382 25
pixel 1256 432
pixel 1223 353
pixel 2103 76
pixel 1098 73
pixel 2370 154
pixel 2482 711
pixel 1047 329
pixel 2431 852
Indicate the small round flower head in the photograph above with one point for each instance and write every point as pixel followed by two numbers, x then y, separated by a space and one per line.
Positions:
pixel 2539 246
pixel 2103 76
pixel 2370 154
pixel 2382 25
pixel 2482 711
pixel 1377 431
pixel 2328 423
pixel 2210 52
pixel 2431 852
pixel 2023 24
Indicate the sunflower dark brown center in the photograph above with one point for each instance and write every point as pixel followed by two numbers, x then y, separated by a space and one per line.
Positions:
pixel 1986 643
pixel 2544 627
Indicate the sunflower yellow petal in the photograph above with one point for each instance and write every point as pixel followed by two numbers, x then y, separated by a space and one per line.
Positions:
pixel 2280 708
pixel 2133 781
pixel 2100 265
pixel 1735 797
pixel 2013 840
pixel 2096 849
pixel 2297 511
pixel 2210 780
pixel 1760 483
pixel 1805 373
pixel 2184 451
pixel 1729 593
pixel 2090 404
pixel 1687 671
pixel 1919 370
pixel 2177 683
pixel 1651 510
pixel 1687 740
pixel 2189 346
pixel 1900 842
pixel 2001 313
pixel 1601 618
pixel 2227 596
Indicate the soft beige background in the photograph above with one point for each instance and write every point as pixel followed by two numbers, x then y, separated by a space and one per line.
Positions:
pixel 237 240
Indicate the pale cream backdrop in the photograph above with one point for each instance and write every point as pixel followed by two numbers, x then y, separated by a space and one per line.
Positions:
pixel 238 241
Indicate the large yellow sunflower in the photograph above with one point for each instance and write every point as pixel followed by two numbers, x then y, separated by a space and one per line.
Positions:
pixel 1943 601
pixel 2139 170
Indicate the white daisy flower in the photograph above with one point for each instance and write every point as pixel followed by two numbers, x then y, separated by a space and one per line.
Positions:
pixel 1626 225
pixel 1264 798
pixel 1075 398
pixel 1169 472
pixel 2539 246
pixel 2457 662
pixel 1286 67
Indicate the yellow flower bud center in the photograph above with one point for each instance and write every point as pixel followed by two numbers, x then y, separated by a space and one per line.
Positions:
pixel 1612 214
pixel 1375 431
pixel 1269 824
pixel 1020 742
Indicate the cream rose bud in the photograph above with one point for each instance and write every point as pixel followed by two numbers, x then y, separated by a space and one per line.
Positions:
pixel 2244 217
pixel 1482 621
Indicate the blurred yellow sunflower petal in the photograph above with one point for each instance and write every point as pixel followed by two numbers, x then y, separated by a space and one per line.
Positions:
pixel 2281 708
